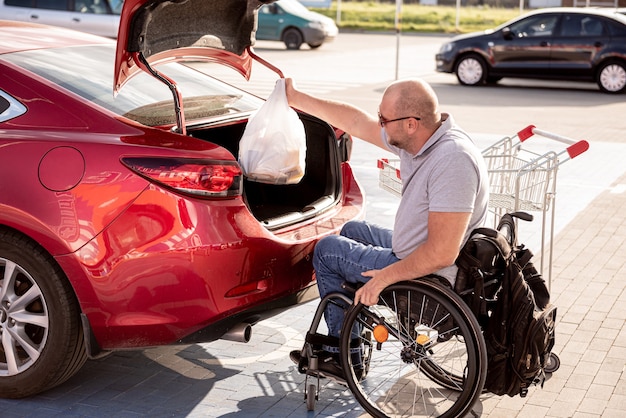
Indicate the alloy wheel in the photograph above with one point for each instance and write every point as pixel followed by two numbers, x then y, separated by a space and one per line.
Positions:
pixel 613 78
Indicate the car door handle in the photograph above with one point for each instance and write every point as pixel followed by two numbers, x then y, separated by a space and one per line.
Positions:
pixel 34 17
pixel 544 43
pixel 75 19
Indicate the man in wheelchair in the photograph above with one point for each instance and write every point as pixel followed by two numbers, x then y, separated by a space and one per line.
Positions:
pixel 444 197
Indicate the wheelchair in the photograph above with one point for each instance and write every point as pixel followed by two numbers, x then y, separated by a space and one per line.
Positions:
pixel 418 352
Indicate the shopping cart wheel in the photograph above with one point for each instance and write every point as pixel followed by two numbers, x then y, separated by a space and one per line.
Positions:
pixel 553 363
pixel 311 397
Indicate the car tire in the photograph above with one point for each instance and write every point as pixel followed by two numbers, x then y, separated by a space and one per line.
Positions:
pixel 612 77
pixel 293 39
pixel 471 70
pixel 315 46
pixel 41 338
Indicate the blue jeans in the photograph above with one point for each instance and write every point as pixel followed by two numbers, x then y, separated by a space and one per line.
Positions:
pixel 360 247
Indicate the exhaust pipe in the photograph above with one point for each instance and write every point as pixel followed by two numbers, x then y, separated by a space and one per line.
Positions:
pixel 240 333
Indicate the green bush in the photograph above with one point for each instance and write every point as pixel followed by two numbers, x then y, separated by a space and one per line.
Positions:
pixel 376 16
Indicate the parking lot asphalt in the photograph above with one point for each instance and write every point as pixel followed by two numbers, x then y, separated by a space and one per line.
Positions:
pixel 257 379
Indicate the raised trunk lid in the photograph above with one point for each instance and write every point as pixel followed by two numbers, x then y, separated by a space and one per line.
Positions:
pixel 165 31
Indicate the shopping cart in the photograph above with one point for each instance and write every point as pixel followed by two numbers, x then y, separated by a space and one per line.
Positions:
pixel 519 179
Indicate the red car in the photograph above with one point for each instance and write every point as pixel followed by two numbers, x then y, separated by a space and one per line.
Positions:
pixel 125 220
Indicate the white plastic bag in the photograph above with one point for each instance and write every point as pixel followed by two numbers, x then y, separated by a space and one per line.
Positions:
pixel 273 146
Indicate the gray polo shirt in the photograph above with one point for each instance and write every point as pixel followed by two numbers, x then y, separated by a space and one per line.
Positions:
pixel 447 175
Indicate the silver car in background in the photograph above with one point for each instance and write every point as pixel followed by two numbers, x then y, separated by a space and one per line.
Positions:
pixel 99 17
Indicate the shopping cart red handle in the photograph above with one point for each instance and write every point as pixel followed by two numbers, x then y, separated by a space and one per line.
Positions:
pixel 575 149
pixel 578 148
pixel 526 133
pixel 384 162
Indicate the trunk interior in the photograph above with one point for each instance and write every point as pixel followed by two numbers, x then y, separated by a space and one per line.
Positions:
pixel 276 206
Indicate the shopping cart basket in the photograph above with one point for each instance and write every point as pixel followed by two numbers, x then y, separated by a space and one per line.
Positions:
pixel 389 176
pixel 519 179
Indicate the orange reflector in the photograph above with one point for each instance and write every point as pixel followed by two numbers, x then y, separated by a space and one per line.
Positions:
pixel 380 333
pixel 422 339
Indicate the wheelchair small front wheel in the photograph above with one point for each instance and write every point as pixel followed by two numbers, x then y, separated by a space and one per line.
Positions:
pixel 432 361
pixel 553 363
pixel 311 397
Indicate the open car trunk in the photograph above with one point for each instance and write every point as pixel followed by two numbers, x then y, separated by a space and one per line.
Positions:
pixel 156 32
pixel 277 206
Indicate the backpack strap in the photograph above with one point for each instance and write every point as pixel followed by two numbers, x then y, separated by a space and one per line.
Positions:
pixel 533 277
pixel 472 263
pixel 508 227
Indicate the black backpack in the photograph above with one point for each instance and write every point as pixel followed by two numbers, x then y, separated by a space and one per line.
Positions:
pixel 511 302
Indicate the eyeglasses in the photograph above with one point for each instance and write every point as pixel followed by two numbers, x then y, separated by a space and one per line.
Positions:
pixel 382 121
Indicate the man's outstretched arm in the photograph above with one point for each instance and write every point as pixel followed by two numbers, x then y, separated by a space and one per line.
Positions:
pixel 344 116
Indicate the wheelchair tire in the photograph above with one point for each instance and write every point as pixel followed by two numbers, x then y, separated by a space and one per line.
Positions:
pixel 433 362
pixel 311 397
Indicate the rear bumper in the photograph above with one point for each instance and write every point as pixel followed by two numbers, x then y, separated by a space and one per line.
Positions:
pixel 251 316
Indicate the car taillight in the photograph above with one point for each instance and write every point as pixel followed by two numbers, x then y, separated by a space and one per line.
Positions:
pixel 200 178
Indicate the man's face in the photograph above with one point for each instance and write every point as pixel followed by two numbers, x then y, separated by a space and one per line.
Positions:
pixel 393 126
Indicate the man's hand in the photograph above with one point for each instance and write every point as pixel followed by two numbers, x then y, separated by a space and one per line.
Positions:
pixel 290 89
pixel 445 234
pixel 368 294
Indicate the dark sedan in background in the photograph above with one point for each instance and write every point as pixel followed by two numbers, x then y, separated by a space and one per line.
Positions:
pixel 561 43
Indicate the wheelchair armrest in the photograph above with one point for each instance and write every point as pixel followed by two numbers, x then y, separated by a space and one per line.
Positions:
pixel 352 287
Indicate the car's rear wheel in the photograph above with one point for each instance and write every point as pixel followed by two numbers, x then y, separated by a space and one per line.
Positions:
pixel 612 77
pixel 41 338
pixel 293 39
pixel 315 46
pixel 471 70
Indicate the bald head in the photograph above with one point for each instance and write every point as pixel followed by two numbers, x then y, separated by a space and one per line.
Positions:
pixel 414 97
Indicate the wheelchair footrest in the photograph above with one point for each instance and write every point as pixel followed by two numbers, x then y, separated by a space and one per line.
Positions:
pixel 316 339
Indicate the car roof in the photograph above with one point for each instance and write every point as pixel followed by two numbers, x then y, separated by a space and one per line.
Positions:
pixel 610 12
pixel 22 36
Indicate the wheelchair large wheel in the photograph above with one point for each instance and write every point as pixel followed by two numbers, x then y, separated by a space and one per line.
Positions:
pixel 429 356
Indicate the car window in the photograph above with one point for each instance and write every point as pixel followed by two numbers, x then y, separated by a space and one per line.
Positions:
pixel 9 107
pixel 90 6
pixel 116 6
pixel 88 72
pixel 616 28
pixel 53 4
pixel 19 3
pixel 592 26
pixel 270 9
pixel 571 25
pixel 534 26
